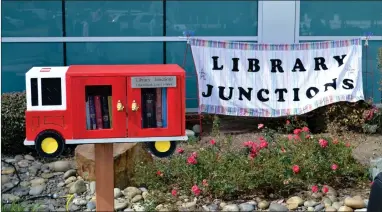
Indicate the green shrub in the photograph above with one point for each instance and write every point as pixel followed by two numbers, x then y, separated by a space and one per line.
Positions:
pixel 264 165
pixel 13 107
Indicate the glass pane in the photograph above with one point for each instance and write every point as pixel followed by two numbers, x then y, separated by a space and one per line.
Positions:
pixel 114 18
pixel 115 53
pixel 31 18
pixel 154 107
pixel 340 18
pixel 212 18
pixel 51 91
pixel 370 73
pixel 18 58
pixel 98 107
pixel 34 92
pixel 174 55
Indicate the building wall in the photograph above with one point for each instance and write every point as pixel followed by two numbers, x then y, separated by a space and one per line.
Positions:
pixel 59 32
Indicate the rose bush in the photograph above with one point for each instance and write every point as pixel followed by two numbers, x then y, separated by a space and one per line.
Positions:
pixel 270 164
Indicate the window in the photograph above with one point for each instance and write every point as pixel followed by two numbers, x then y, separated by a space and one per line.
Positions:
pixel 31 18
pixel 98 106
pixel 34 91
pixel 18 58
pixel 154 107
pixel 51 91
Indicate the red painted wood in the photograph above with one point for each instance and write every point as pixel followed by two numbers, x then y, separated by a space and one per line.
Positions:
pixel 79 109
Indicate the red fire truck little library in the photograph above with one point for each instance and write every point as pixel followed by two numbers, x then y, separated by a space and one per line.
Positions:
pixel 90 104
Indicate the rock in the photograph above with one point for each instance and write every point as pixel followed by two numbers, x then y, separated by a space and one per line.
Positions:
pixel 37 181
pixel 355 202
pixel 189 204
pixel 345 209
pixel 375 167
pixel 9 197
pixel 145 195
pixel 310 209
pixel 131 192
pixel 20 191
pixel 18 158
pixel 8 170
pixel 5 179
pixel 61 165
pixel 29 157
pixel 295 200
pixel 124 156
pixel 61 184
pixel 23 163
pixel 331 192
pixel 330 209
pixel 120 204
pixel 143 189
pixel 78 187
pixel 246 207
pixel 327 202
pixel 92 187
pixel 10 160
pixel 252 202
pixel 79 201
pixel 319 207
pixel 37 190
pixel 128 210
pixel 361 210
pixel 190 133
pixel 222 204
pixel 332 198
pixel 310 203
pixel 212 207
pixel 366 202
pixel 136 198
pixel 7 185
pixel 196 128
pixel 91 205
pixel 47 175
pixel 25 184
pixel 337 205
pixel 277 207
pixel 292 206
pixel 70 180
pixel 231 207
pixel 117 192
pixel 263 205
pixel 70 173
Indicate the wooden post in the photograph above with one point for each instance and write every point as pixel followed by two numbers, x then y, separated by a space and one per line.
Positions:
pixel 104 163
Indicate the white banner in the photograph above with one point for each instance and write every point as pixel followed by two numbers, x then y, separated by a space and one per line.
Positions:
pixel 247 79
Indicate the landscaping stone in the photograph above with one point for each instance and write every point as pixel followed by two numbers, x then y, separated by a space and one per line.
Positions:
pixel 117 192
pixel 231 207
pixel 246 207
pixel 29 157
pixel 337 205
pixel 61 166
pixel 136 198
pixel 124 155
pixel 8 170
pixel 263 204
pixel 70 173
pixel 23 163
pixel 330 209
pixel 37 190
pixel 310 203
pixel 277 207
pixel 345 209
pixel 77 187
pixel 319 207
pixel 355 202
pixel 295 200
pixel 131 192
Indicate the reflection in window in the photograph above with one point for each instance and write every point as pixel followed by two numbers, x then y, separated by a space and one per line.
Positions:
pixel 31 18
pixel 114 18
pixel 154 107
pixel 212 18
pixel 17 59
pixel 51 91
pixel 338 18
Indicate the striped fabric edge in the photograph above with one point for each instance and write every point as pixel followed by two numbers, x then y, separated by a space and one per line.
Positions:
pixel 234 111
pixel 274 47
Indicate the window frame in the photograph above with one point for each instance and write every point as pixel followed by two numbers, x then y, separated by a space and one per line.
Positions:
pixel 39 106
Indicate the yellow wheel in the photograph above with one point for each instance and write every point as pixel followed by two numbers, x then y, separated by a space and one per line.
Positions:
pixel 49 144
pixel 162 149
pixel 162 146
